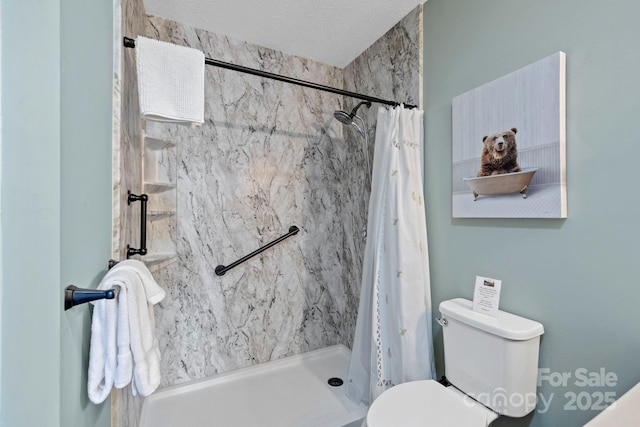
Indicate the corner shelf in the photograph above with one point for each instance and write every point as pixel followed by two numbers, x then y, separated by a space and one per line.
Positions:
pixel 157 215
pixel 157 261
pixel 160 183
pixel 158 187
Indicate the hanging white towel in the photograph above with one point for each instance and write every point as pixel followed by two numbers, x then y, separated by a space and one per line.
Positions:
pixel 124 361
pixel 170 82
pixel 142 293
pixel 102 353
pixel 126 350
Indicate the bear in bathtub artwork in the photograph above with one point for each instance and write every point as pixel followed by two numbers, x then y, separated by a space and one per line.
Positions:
pixel 499 154
pixel 519 168
pixel 499 171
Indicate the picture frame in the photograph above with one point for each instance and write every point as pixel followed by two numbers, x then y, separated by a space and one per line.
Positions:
pixel 509 145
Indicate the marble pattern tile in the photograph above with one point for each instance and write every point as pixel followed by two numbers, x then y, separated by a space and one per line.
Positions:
pixel 269 156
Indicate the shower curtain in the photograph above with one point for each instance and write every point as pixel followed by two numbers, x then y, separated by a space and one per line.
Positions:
pixel 393 339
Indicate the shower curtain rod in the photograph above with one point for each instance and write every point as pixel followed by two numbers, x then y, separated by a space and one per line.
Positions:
pixel 131 43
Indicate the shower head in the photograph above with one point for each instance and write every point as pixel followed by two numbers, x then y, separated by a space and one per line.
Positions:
pixel 347 118
pixel 343 117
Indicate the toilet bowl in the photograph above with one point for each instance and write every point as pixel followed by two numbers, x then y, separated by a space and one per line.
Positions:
pixel 491 362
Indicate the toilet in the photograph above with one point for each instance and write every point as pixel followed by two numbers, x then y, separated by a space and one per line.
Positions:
pixel 491 364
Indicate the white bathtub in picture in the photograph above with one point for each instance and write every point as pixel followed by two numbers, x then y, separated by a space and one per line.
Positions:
pixel 290 392
pixel 514 182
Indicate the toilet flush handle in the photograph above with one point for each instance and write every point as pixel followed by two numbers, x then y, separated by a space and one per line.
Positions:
pixel 442 322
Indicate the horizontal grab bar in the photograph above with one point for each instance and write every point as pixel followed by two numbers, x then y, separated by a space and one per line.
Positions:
pixel 221 269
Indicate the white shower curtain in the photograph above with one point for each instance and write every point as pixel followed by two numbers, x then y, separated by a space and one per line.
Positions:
pixel 393 339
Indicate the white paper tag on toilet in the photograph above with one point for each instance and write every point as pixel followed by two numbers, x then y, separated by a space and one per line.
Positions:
pixel 486 297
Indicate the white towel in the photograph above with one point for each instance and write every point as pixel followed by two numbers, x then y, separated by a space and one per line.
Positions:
pixel 142 293
pixel 124 347
pixel 124 361
pixel 102 353
pixel 170 82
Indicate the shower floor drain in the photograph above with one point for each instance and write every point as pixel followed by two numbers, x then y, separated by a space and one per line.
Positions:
pixel 335 382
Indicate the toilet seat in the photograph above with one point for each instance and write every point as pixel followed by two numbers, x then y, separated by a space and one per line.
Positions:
pixel 427 403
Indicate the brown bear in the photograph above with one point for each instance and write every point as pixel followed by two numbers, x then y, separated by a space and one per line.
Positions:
pixel 500 154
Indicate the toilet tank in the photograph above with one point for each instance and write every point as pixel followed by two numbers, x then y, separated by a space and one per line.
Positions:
pixel 492 359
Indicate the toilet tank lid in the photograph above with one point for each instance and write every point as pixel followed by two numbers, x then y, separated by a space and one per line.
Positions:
pixel 505 325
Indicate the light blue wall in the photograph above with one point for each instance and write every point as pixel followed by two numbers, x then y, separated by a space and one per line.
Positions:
pixel 580 277
pixel 56 198
pixel 85 198
pixel 31 213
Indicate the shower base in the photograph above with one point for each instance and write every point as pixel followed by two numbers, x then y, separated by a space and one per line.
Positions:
pixel 290 392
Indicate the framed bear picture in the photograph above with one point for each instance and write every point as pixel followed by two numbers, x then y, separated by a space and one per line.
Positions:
pixel 508 145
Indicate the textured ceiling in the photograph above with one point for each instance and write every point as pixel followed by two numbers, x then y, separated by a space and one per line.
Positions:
pixel 333 32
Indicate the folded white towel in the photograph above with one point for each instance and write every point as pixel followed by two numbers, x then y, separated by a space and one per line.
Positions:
pixel 102 353
pixel 124 348
pixel 170 82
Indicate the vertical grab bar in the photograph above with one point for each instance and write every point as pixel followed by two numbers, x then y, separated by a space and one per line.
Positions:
pixel 143 198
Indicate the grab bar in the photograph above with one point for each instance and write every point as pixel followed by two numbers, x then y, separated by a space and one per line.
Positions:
pixel 143 198
pixel 221 269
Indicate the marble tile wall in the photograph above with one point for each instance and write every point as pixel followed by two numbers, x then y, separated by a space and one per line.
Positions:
pixel 270 155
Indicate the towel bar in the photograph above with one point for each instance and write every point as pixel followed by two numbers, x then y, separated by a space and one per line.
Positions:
pixel 74 295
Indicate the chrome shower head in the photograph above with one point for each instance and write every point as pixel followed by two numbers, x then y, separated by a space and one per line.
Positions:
pixel 343 117
pixel 347 118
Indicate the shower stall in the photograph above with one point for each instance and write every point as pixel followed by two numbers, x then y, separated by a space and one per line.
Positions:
pixel 269 155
